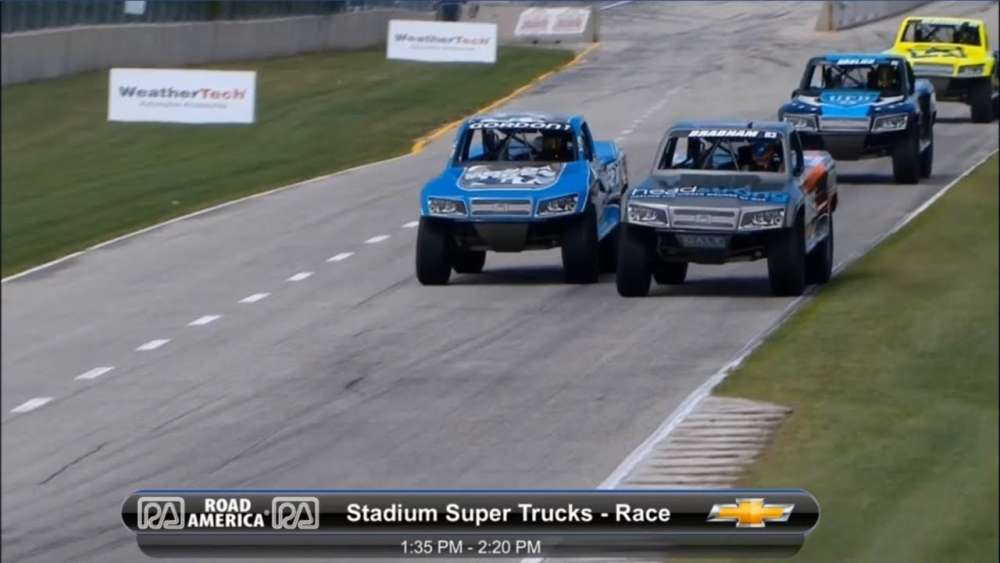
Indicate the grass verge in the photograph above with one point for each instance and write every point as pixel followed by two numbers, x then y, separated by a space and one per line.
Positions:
pixel 892 373
pixel 71 179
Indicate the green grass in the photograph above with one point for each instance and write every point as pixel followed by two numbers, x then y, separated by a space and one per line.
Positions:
pixel 71 179
pixel 892 373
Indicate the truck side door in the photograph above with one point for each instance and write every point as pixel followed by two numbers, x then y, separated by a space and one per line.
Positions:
pixel 598 191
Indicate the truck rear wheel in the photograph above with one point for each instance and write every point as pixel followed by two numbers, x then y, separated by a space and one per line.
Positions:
pixel 819 262
pixel 786 267
pixel 906 158
pixel 580 249
pixel 670 273
pixel 433 256
pixel 609 251
pixel 634 262
pixel 469 261
pixel 981 100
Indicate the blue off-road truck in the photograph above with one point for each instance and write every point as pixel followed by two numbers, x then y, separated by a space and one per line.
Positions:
pixel 730 191
pixel 860 105
pixel 522 181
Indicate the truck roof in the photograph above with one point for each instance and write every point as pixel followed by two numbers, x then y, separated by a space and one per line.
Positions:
pixel 944 20
pixel 776 126
pixel 879 57
pixel 548 117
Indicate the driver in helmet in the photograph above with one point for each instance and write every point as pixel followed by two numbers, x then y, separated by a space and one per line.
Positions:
pixel 766 157
pixel 553 148
pixel 886 78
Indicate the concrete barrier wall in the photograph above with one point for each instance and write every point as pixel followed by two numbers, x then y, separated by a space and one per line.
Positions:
pixel 840 14
pixel 506 15
pixel 49 53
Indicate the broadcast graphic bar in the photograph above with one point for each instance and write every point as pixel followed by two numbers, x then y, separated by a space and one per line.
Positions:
pixel 586 523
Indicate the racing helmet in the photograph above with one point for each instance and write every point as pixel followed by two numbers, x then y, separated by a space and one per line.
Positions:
pixel 767 155
pixel 553 146
pixel 886 77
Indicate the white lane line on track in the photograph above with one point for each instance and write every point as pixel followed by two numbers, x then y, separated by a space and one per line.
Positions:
pixel 299 276
pixel 254 298
pixel 704 390
pixel 214 208
pixel 615 4
pixel 94 373
pixel 376 239
pixel 411 224
pixel 626 132
pixel 340 257
pixel 202 321
pixel 30 405
pixel 152 345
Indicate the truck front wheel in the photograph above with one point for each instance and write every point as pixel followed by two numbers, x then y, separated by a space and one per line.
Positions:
pixel 819 262
pixel 580 249
pixel 670 273
pixel 433 253
pixel 906 158
pixel 981 100
pixel 469 261
pixel 634 262
pixel 786 267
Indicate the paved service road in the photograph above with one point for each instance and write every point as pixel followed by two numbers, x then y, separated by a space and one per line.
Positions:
pixel 352 374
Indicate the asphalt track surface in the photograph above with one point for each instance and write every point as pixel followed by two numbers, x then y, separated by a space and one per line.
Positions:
pixel 357 376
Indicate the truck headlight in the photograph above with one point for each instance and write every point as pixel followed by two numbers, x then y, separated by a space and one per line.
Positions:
pixel 445 207
pixel 765 219
pixel 890 123
pixel 558 206
pixel 646 215
pixel 970 70
pixel 801 121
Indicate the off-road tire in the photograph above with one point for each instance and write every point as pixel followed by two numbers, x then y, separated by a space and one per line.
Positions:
pixel 634 272
pixel 608 251
pixel 786 257
pixel 981 101
pixel 906 158
pixel 468 261
pixel 670 273
pixel 433 253
pixel 819 261
pixel 580 249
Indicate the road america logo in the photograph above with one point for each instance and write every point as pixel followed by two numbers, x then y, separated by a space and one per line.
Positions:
pixel 295 513
pixel 160 513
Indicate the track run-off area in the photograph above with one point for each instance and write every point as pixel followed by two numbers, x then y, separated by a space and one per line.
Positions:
pixel 283 342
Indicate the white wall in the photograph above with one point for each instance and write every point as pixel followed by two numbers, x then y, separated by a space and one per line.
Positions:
pixel 49 53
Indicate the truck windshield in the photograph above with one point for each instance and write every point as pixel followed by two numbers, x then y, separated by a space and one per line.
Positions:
pixel 717 150
pixel 924 31
pixel 855 73
pixel 496 144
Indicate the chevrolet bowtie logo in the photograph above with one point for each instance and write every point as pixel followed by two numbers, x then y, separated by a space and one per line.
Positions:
pixel 750 513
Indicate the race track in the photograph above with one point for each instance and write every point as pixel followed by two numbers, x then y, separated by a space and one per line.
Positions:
pixel 357 376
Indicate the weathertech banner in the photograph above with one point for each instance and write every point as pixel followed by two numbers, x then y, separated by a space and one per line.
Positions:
pixel 552 21
pixel 181 96
pixel 442 41
pixel 572 523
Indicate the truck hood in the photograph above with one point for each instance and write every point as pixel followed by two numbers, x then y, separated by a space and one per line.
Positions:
pixel 511 175
pixel 716 190
pixel 945 53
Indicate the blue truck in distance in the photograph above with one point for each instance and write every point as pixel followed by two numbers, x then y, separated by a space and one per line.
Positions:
pixel 522 181
pixel 861 105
